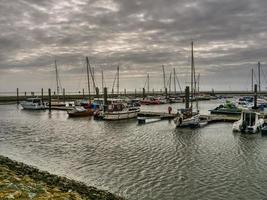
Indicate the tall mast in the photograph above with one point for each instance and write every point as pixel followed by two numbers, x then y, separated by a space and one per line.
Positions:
pixel 174 80
pixel 57 79
pixel 259 70
pixel 252 82
pixel 170 83
pixel 102 76
pixel 148 83
pixel 88 80
pixel 118 80
pixel 164 79
pixel 192 72
pixel 198 80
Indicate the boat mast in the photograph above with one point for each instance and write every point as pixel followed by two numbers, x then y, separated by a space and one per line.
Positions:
pixel 164 79
pixel 174 80
pixel 252 86
pixel 147 83
pixel 170 83
pixel 118 80
pixel 88 80
pixel 57 80
pixel 259 71
pixel 192 73
pixel 102 76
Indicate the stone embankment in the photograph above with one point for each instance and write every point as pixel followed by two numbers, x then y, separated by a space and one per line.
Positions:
pixel 21 181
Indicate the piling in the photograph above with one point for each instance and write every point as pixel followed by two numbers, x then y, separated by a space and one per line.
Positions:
pixel 18 96
pixel 42 93
pixel 255 96
pixel 97 92
pixel 144 93
pixel 64 99
pixel 187 97
pixel 25 94
pixel 105 99
pixel 134 93
pixel 166 92
pixel 83 93
pixel 49 99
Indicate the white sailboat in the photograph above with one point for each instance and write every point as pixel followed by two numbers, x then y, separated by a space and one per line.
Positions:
pixel 186 117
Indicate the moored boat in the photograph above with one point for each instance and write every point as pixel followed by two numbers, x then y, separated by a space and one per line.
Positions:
pixel 33 104
pixel 80 112
pixel 250 122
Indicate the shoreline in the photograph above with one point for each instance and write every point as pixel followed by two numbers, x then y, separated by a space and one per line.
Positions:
pixel 64 184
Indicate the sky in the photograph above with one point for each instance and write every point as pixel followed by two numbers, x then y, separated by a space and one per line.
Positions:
pixel 230 37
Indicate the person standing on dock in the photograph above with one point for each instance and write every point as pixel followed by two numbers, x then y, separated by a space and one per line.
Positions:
pixel 169 109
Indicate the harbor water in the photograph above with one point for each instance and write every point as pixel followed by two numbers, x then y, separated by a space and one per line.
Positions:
pixel 151 161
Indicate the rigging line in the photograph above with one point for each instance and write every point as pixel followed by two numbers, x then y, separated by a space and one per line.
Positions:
pixel 264 78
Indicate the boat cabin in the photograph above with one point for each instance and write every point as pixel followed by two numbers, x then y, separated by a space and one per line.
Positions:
pixel 34 100
pixel 249 117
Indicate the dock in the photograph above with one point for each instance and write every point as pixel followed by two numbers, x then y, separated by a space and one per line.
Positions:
pixel 60 108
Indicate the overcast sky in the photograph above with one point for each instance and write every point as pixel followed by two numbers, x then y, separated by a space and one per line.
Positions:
pixel 230 37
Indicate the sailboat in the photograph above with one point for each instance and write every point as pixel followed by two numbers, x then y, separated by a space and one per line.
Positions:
pixel 186 117
pixel 56 102
pixel 84 109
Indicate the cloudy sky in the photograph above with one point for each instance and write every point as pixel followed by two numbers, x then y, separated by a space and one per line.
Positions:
pixel 230 37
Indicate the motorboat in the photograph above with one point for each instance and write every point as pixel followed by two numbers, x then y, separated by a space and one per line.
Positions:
pixel 33 104
pixel 227 108
pixel 150 101
pixel 118 111
pixel 250 122
pixel 79 111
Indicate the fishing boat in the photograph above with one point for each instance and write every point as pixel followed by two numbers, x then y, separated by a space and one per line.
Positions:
pixel 33 104
pixel 186 117
pixel 118 111
pixel 250 122
pixel 80 112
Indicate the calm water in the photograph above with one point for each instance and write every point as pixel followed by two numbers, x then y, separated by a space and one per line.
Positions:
pixel 152 161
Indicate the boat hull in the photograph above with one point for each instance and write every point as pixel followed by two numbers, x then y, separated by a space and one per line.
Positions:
pixel 191 122
pixel 120 115
pixel 33 107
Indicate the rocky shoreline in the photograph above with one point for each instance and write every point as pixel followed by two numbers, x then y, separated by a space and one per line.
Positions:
pixel 74 189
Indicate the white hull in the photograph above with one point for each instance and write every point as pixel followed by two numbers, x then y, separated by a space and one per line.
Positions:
pixel 193 121
pixel 237 127
pixel 32 106
pixel 120 115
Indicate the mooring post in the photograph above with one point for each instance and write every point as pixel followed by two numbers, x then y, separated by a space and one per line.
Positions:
pixel 144 93
pixel 255 96
pixel 17 96
pixel 42 93
pixel 187 97
pixel 49 99
pixel 124 92
pixel 83 93
pixel 64 97
pixel 166 93
pixel 97 92
pixel 105 99
pixel 135 93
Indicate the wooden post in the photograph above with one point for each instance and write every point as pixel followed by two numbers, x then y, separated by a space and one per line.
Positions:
pixel 49 99
pixel 187 97
pixel 135 93
pixel 17 96
pixel 97 92
pixel 144 93
pixel 255 96
pixel 105 99
pixel 83 93
pixel 124 92
pixel 42 93
pixel 64 99
pixel 153 91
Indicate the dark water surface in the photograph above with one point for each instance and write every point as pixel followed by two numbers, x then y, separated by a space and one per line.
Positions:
pixel 152 161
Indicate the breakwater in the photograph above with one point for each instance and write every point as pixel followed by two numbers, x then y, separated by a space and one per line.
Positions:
pixel 73 189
